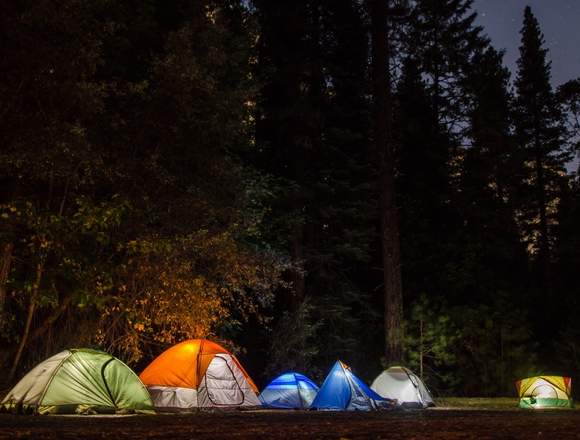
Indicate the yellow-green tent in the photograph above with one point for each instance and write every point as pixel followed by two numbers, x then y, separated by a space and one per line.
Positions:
pixel 545 392
pixel 80 381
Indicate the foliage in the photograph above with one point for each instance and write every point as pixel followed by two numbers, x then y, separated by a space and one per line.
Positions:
pixel 294 344
pixel 568 96
pixel 481 349
pixel 184 288
pixel 134 216
pixel 497 347
pixel 431 338
pixel 184 169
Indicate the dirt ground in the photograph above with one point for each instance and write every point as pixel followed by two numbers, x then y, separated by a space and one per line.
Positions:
pixel 437 423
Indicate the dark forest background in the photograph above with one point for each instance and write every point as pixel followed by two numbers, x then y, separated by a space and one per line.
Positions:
pixel 207 168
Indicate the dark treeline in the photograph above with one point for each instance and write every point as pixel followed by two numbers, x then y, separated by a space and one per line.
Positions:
pixel 210 168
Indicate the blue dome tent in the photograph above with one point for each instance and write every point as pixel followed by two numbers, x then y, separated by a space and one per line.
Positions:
pixel 343 391
pixel 289 391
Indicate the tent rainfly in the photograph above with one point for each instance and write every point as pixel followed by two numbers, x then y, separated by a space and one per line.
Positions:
pixel 289 391
pixel 545 392
pixel 79 381
pixel 404 386
pixel 343 391
pixel 198 373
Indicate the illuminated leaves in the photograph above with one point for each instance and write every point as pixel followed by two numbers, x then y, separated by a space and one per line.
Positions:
pixel 123 176
pixel 184 288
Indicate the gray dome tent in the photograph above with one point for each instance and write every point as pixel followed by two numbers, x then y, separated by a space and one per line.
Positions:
pixel 403 385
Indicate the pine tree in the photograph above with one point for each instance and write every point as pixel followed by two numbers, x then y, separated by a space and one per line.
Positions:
pixel 490 124
pixel 286 128
pixel 313 131
pixel 423 183
pixel 567 261
pixel 494 260
pixel 342 231
pixel 539 136
pixel 568 96
pixel 541 169
pixel 443 36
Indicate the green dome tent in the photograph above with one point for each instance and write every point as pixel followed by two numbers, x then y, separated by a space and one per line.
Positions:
pixel 79 381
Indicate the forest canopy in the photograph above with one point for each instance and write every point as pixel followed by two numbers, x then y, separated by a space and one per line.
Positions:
pixel 173 170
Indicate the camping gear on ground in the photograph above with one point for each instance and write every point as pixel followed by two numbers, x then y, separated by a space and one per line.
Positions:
pixel 404 386
pixel 289 391
pixel 79 381
pixel 545 392
pixel 198 373
pixel 343 391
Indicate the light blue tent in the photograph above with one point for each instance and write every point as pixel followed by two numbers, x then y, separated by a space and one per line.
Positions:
pixel 289 390
pixel 343 391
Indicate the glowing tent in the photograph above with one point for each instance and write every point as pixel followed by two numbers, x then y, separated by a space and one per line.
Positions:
pixel 79 381
pixel 343 391
pixel 545 392
pixel 198 373
pixel 288 391
pixel 404 386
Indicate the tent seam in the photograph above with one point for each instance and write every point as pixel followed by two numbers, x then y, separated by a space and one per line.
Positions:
pixel 111 359
pixel 52 376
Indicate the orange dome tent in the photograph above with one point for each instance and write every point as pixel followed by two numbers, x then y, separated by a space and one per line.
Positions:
pixel 198 373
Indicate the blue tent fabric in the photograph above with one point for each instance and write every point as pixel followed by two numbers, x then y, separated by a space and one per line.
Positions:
pixel 289 390
pixel 343 391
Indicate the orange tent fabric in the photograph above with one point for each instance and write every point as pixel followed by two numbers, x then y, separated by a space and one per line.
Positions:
pixel 184 365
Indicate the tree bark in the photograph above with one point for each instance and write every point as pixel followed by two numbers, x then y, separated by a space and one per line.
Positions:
pixel 421 349
pixel 28 324
pixel 393 291
pixel 5 264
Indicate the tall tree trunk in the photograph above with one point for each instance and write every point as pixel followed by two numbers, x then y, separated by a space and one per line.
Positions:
pixel 393 291
pixel 28 323
pixel 5 264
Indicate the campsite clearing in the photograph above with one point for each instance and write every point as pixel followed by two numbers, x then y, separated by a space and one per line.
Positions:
pixel 456 420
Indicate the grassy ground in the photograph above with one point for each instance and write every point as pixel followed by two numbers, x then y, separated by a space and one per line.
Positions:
pixel 498 403
pixel 454 419
pixel 478 403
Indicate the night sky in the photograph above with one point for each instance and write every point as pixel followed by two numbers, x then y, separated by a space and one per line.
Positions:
pixel 559 21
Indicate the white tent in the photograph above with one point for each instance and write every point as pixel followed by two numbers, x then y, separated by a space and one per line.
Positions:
pixel 403 385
